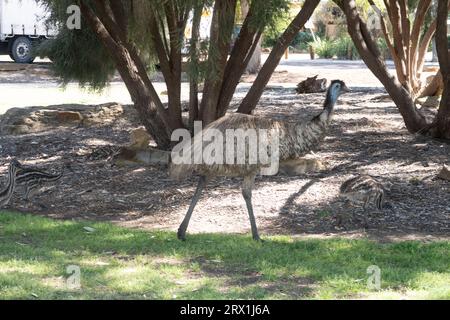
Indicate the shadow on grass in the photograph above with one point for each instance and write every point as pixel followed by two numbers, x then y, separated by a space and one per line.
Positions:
pixel 146 265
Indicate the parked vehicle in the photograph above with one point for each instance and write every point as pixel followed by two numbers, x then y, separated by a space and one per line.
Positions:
pixel 22 27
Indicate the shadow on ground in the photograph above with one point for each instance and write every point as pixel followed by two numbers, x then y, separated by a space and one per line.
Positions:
pixel 367 136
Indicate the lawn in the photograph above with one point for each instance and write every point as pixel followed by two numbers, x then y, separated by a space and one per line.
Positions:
pixel 118 263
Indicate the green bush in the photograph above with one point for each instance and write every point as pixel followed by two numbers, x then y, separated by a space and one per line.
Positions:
pixel 382 46
pixel 302 40
pixel 345 49
pixel 324 48
pixel 275 30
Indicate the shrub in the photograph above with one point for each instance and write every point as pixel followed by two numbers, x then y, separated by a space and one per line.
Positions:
pixel 382 46
pixel 275 30
pixel 302 40
pixel 345 48
pixel 324 48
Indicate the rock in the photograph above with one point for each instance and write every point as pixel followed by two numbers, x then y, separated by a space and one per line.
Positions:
pixel 300 166
pixel 69 117
pixel 139 138
pixel 18 121
pixel 444 173
pixel 429 102
pixel 421 146
pixel 103 114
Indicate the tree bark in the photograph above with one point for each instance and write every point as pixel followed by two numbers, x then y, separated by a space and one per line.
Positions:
pixel 443 117
pixel 242 51
pixel 132 71
pixel 221 31
pixel 369 52
pixel 254 95
pixel 255 61
pixel 194 75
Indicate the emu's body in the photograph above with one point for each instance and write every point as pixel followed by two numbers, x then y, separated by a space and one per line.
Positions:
pixel 363 190
pixel 295 140
pixel 27 177
pixel 7 192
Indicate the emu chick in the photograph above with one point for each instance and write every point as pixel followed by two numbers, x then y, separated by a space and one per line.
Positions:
pixel 363 190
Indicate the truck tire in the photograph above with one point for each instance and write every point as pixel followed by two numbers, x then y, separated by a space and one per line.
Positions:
pixel 22 50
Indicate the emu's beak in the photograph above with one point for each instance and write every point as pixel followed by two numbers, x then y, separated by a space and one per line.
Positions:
pixel 345 89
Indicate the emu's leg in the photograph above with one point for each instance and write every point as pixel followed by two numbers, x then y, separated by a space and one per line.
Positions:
pixel 28 192
pixel 365 207
pixel 183 226
pixel 247 187
pixel 29 196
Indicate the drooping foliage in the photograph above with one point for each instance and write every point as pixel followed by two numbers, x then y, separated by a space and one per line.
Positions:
pixel 134 35
pixel 78 57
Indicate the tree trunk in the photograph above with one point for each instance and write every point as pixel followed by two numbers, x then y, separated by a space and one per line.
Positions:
pixel 242 51
pixel 194 74
pixel 433 14
pixel 435 57
pixel 252 98
pixel 221 31
pixel 146 100
pixel 443 117
pixel 255 62
pixel 370 54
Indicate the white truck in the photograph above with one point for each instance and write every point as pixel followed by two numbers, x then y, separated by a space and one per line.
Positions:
pixel 22 26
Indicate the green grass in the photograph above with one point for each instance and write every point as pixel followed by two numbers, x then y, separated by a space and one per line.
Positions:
pixel 118 263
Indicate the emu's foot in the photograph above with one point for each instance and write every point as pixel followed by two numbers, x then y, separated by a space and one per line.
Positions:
pixel 40 205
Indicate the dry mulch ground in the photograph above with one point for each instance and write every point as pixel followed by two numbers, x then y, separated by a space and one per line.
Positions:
pixel 367 136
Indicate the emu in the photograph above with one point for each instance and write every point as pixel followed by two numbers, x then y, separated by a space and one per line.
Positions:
pixel 363 190
pixel 296 139
pixel 29 177
pixel 8 191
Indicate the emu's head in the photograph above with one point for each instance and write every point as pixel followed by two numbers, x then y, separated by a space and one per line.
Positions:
pixel 337 87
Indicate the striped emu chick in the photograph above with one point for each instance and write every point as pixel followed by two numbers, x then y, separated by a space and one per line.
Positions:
pixel 296 139
pixel 30 178
pixel 363 190
pixel 33 178
pixel 7 192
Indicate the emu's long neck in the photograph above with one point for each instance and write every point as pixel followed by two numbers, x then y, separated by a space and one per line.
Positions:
pixel 307 136
pixel 330 102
